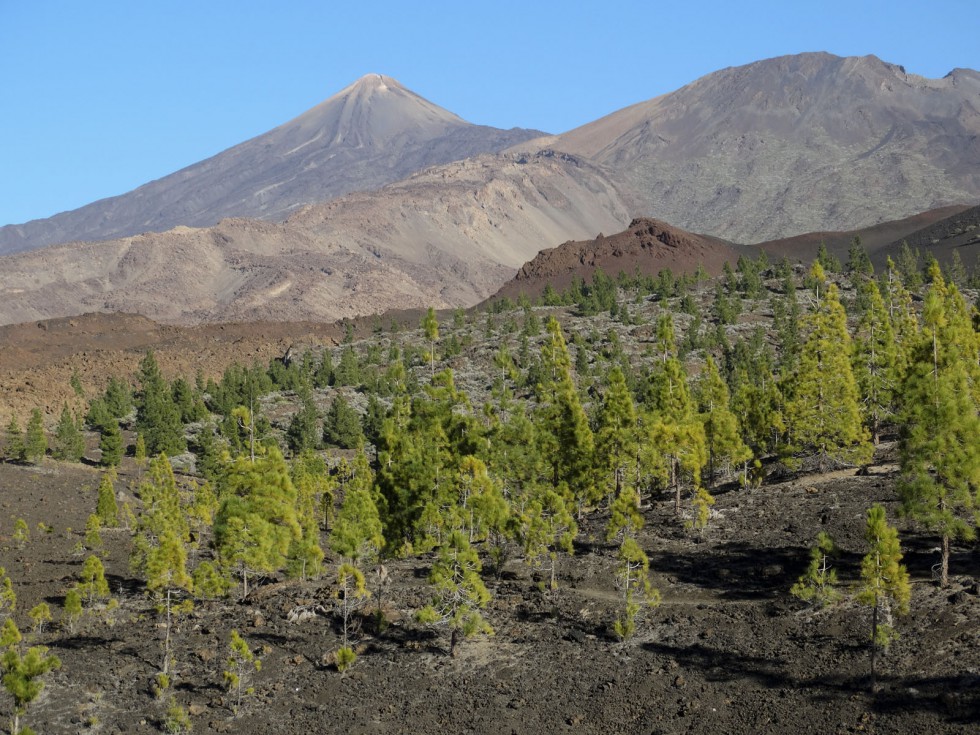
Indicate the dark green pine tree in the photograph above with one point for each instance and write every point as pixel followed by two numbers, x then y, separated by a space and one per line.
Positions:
pixel 823 411
pixel 111 445
pixel 304 431
pixel 342 425
pixel 69 444
pixel 157 416
pixel 939 447
pixel 15 450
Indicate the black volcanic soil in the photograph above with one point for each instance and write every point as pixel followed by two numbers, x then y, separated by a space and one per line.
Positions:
pixel 728 651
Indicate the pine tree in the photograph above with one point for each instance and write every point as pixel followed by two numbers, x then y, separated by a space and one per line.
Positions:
pixel 111 445
pixel 818 584
pixel 92 584
pixel 158 418
pixel 256 521
pixel 22 677
pixel 547 527
pixel 166 575
pixel 459 592
pixel 241 664
pixel 357 534
pixel 352 592
pixel 342 424
pixel 69 444
pixel 939 449
pixel 875 362
pixel 430 325
pixel 674 434
pixel 616 437
pixel 16 450
pixel 633 579
pixel 303 432
pixel 724 442
pixel 564 432
pixel 36 443
pixel 106 508
pixel 823 412
pixel 884 580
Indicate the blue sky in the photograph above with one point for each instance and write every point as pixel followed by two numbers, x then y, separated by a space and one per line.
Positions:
pixel 99 97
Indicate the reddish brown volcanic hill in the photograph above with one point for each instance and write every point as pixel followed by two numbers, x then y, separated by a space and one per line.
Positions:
pixel 648 245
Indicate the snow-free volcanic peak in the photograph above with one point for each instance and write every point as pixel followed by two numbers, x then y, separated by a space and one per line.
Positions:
pixel 371 133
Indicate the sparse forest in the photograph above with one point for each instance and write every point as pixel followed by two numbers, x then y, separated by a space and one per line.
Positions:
pixel 578 464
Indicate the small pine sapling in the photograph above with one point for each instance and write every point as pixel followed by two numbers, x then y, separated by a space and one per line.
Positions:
pixel 239 667
pixel 8 598
pixel 700 510
pixel 22 677
pixel 177 719
pixel 818 584
pixel 93 537
pixel 22 533
pixel 71 613
pixel 40 615
pixel 352 592
pixel 884 581
pixel 633 578
pixel 93 586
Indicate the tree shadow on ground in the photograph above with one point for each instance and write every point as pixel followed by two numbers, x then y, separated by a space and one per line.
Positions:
pixel 956 698
pixel 735 571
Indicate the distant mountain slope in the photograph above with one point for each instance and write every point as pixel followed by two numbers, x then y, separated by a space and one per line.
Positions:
pixel 794 144
pixel 959 232
pixel 448 236
pixel 877 239
pixel 370 134
pixel 647 245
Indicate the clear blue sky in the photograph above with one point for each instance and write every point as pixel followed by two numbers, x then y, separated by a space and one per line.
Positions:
pixel 99 97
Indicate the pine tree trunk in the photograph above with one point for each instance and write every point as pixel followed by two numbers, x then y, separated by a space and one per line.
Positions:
pixel 944 569
pixel 874 646
pixel 166 641
pixel 453 640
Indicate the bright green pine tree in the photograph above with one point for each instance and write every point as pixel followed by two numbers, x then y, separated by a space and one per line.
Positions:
pixel 563 428
pixel 823 412
pixel 459 593
pixel 22 677
pixel 939 446
pixel 616 437
pixel 106 507
pixel 818 584
pixel 241 665
pixel 36 443
pixel 15 450
pixel 69 444
pixel 357 534
pixel 633 579
pixel 167 576
pixel 876 364
pixel 546 528
pixel 256 521
pixel 905 326
pixel 305 554
pixel 430 325
pixel 674 433
pixel 721 430
pixel 111 445
pixel 157 416
pixel 92 584
pixel 884 580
